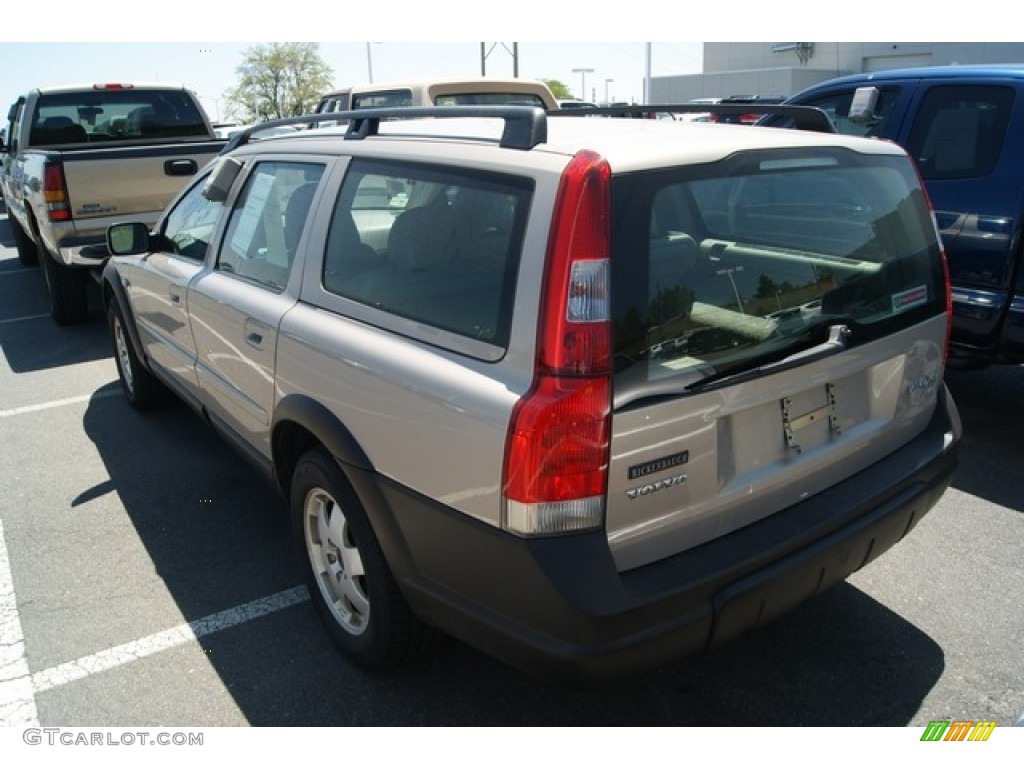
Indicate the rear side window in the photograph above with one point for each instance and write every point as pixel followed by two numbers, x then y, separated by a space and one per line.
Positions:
pixel 435 246
pixel 959 130
pixel 752 259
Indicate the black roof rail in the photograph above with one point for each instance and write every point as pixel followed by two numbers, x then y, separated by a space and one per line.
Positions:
pixel 525 126
pixel 804 118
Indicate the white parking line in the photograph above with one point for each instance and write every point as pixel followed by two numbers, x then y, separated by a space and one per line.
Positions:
pixel 57 403
pixel 17 697
pixel 62 674
pixel 23 318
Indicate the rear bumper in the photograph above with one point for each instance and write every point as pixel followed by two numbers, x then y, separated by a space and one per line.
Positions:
pixel 558 607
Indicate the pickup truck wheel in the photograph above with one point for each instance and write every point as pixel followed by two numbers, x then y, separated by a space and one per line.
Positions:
pixel 349 581
pixel 69 299
pixel 28 252
pixel 140 388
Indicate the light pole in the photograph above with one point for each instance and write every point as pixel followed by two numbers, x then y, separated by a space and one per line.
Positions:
pixel 583 81
pixel 606 81
pixel 369 64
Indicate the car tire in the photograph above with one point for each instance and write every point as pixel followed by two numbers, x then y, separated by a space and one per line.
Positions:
pixel 28 251
pixel 69 297
pixel 350 584
pixel 141 389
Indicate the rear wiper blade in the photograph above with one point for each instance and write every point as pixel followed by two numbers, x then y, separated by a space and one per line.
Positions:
pixel 839 335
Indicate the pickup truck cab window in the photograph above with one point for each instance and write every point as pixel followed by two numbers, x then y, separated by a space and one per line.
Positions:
pixel 837 106
pixel 267 222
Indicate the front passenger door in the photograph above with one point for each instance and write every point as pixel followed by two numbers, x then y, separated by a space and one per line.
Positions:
pixel 236 307
pixel 157 284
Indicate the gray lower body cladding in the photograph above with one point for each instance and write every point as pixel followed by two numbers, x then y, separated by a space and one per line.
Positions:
pixel 557 606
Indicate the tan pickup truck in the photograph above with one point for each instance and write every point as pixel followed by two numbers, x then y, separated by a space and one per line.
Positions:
pixel 461 92
pixel 79 158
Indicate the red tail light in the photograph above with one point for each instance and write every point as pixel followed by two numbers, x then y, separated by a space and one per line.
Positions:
pixel 556 459
pixel 55 193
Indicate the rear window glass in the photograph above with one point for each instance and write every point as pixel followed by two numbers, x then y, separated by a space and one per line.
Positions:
pixel 959 130
pixel 469 99
pixel 435 246
pixel 752 259
pixel 115 115
pixel 382 99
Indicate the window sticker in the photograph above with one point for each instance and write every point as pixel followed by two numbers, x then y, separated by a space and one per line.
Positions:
pixel 252 213
pixel 909 299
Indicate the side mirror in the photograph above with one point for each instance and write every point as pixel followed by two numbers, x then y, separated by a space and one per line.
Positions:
pixel 128 239
pixel 863 104
pixel 219 182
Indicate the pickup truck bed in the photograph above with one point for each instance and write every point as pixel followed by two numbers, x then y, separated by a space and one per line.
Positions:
pixel 81 158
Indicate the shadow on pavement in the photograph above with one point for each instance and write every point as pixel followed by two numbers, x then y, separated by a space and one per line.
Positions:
pixel 991 402
pixel 218 538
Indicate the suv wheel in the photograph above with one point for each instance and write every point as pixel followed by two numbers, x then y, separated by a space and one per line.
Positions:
pixel 140 388
pixel 349 581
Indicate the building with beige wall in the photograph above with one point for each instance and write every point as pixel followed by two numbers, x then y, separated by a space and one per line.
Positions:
pixel 782 69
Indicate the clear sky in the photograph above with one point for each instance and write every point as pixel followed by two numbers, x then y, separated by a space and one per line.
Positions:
pixel 209 68
pixel 176 42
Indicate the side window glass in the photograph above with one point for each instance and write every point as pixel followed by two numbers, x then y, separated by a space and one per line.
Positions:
pixel 837 107
pixel 959 130
pixel 191 224
pixel 267 223
pixel 439 247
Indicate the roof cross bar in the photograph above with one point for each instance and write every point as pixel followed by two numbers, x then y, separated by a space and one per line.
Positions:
pixel 525 126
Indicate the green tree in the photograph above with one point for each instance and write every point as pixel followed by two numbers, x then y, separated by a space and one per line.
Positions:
pixel 278 80
pixel 559 89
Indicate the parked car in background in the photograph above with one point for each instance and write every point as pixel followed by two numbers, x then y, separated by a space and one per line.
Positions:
pixel 747 118
pixel 440 93
pixel 79 158
pixel 699 117
pixel 522 378
pixel 964 127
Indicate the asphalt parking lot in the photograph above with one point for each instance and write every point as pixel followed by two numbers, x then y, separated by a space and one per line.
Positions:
pixel 147 578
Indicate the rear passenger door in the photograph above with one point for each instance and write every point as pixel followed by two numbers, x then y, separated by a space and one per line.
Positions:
pixel 236 307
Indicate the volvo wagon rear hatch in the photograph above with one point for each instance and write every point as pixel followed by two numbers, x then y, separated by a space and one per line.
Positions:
pixel 780 321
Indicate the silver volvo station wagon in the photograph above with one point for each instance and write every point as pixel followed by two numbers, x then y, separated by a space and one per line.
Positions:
pixel 591 395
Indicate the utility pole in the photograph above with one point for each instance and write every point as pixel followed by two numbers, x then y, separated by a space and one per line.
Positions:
pixel 583 81
pixel 485 52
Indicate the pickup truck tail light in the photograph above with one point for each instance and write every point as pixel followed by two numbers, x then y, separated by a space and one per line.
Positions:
pixel 556 456
pixel 55 193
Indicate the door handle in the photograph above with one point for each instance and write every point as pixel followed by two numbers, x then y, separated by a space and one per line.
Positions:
pixel 180 167
pixel 254 332
pixel 176 299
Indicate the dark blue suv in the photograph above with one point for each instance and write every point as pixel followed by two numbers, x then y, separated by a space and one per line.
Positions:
pixel 964 127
